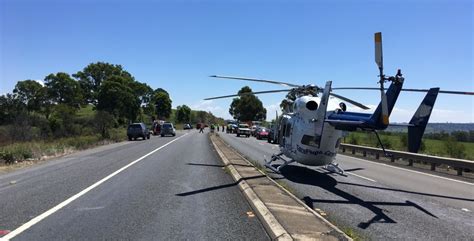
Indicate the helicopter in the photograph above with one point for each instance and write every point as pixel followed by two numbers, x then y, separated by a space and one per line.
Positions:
pixel 310 134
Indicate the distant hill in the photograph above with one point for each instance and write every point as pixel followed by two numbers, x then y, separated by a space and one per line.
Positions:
pixel 438 127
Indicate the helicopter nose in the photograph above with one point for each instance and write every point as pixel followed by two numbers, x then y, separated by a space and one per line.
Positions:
pixel 311 105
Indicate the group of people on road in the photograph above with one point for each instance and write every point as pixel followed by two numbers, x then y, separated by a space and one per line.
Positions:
pixel 213 128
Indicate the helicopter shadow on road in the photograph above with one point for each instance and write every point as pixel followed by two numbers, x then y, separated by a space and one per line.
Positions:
pixel 303 175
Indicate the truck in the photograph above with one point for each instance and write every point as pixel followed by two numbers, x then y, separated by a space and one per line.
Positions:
pixel 243 130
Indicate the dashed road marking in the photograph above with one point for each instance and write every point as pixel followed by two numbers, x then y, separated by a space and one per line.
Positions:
pixel 44 215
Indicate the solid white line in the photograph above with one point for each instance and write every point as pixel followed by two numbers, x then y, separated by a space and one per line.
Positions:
pixel 366 178
pixel 408 170
pixel 42 216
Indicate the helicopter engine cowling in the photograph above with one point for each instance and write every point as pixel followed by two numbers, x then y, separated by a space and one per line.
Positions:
pixel 306 106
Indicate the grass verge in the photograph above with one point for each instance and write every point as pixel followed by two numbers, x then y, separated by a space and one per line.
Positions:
pixel 40 150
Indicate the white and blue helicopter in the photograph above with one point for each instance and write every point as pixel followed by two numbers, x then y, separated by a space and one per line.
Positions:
pixel 309 133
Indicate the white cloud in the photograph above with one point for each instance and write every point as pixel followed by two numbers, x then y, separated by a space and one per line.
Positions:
pixel 39 81
pixel 210 105
pixel 271 109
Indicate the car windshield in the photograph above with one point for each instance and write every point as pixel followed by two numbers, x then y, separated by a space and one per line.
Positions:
pixel 243 126
pixel 167 125
pixel 135 126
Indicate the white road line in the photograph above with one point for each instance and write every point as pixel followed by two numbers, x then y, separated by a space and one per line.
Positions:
pixel 408 170
pixel 366 178
pixel 44 215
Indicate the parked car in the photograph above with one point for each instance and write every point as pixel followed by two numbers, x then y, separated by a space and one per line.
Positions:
pixel 273 135
pixel 243 130
pixel 261 133
pixel 168 129
pixel 253 130
pixel 136 130
pixel 187 126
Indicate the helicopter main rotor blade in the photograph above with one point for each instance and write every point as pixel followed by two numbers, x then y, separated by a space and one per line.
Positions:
pixel 409 90
pixel 247 93
pixel 256 80
pixel 350 101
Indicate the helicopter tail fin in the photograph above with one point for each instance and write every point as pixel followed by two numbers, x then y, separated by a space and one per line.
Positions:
pixel 391 97
pixel 420 119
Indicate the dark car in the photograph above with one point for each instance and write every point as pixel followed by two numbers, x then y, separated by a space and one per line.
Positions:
pixel 168 129
pixel 261 133
pixel 136 130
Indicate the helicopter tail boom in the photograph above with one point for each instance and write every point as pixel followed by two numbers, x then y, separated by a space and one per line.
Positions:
pixel 420 119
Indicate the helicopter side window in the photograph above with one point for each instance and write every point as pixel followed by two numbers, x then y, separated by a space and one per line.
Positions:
pixel 309 141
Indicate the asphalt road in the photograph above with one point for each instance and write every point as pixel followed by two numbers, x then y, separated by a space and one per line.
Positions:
pixel 178 192
pixel 377 201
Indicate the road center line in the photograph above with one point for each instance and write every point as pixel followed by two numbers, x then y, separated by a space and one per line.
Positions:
pixel 408 170
pixel 44 215
pixel 366 178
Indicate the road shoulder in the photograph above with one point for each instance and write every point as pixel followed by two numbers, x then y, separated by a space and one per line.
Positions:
pixel 284 216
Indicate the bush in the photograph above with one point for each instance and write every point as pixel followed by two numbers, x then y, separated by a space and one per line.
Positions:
pixel 352 139
pixel 454 148
pixel 7 157
pixel 387 144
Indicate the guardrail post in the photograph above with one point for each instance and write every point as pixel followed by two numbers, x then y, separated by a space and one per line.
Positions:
pixel 364 153
pixel 377 155
pixel 433 166
pixel 392 158
pixel 459 171
pixel 410 162
pixel 353 151
pixel 343 149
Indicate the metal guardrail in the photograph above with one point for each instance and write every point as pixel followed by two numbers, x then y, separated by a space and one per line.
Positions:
pixel 458 164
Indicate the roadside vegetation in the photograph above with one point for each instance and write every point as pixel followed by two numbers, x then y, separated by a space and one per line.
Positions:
pixel 458 144
pixel 66 112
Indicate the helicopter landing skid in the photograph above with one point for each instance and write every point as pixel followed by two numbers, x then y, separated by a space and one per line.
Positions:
pixel 334 167
pixel 268 164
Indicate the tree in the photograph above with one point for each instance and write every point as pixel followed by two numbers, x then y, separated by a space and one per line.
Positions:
pixel 247 107
pixel 183 114
pixel 117 98
pixel 94 74
pixel 103 122
pixel 31 93
pixel 62 89
pixel 162 103
pixel 10 107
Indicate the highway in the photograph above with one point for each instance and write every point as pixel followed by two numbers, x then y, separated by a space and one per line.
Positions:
pixel 374 200
pixel 171 188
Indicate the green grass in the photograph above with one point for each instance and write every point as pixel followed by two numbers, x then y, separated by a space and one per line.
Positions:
pixel 86 111
pixel 37 150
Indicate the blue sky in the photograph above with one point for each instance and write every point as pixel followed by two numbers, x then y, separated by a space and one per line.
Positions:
pixel 176 45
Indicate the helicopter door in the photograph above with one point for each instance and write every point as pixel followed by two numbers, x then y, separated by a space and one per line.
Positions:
pixel 287 133
pixel 321 114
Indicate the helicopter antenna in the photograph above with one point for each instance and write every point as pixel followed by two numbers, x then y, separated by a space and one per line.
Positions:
pixel 379 61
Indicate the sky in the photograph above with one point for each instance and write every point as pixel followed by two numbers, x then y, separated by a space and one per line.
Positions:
pixel 176 45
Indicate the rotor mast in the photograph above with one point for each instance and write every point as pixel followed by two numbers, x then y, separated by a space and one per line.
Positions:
pixel 379 61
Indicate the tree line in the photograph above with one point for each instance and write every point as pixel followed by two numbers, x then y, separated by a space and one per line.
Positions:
pixel 55 109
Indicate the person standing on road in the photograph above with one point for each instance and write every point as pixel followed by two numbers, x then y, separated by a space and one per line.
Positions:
pixel 223 128
pixel 201 130
pixel 217 128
